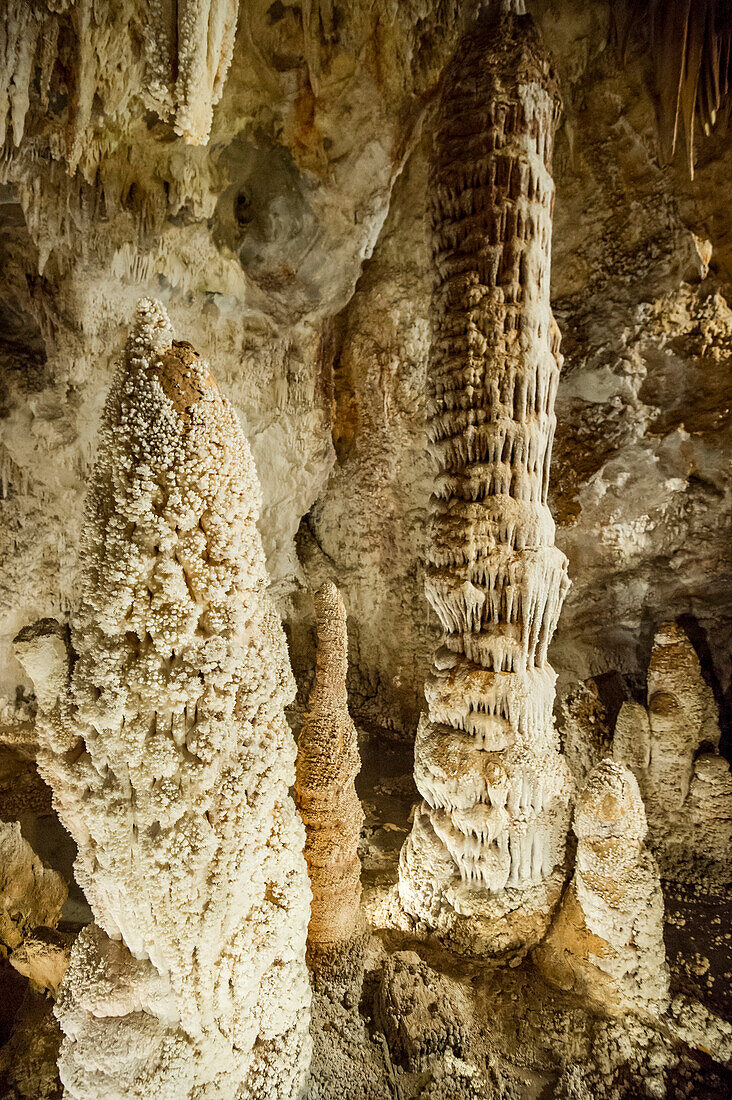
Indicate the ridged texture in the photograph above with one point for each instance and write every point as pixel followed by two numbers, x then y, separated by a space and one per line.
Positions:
pixel 495 788
pixel 162 733
pixel 327 765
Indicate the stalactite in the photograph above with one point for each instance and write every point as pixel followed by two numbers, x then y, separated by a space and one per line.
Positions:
pixel 186 53
pixel 206 32
pixel 327 765
pixel 162 733
pixel 484 861
pixel 606 942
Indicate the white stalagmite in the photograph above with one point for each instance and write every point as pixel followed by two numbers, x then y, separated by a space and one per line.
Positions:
pixel 484 862
pixel 170 758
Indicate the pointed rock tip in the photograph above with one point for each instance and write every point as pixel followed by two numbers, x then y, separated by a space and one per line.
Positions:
pixel 152 325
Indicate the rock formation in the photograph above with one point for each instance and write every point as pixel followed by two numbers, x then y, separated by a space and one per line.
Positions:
pixel 484 861
pixel 179 52
pixel 43 958
pixel 672 748
pixel 419 1010
pixel 162 733
pixel 606 941
pixel 327 765
pixel 30 893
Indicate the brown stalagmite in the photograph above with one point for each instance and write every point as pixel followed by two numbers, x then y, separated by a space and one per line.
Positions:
pixel 327 765
pixel 484 862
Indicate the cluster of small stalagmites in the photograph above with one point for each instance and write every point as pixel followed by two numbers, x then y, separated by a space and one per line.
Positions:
pixel 671 747
pixel 327 765
pixel 491 830
pixel 606 941
pixel 418 1010
pixel 162 733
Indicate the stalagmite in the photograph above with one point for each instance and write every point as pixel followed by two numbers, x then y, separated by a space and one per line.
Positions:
pixel 162 733
pixel 606 942
pixel 327 765
pixel 484 861
pixel 672 748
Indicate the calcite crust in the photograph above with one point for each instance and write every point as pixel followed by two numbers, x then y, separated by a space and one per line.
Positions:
pixel 162 733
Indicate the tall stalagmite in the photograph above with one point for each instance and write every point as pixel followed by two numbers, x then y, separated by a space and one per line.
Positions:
pixel 162 733
pixel 484 861
pixel 327 765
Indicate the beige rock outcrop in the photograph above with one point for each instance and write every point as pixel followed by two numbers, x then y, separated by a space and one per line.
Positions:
pixel 162 732
pixel 43 957
pixel 30 893
pixel 179 52
pixel 484 862
pixel 671 746
pixel 606 941
pixel 327 765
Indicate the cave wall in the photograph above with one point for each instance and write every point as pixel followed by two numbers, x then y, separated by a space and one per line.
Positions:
pixel 294 246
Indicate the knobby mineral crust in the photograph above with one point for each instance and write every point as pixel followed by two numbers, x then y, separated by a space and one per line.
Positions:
pixel 162 733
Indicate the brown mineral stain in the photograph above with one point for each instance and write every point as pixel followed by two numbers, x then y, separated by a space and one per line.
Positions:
pixel 182 386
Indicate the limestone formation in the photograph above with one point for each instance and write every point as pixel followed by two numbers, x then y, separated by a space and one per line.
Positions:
pixel 162 733
pixel 606 941
pixel 327 765
pixel 181 68
pixel 484 861
pixel 30 893
pixel 672 748
pixel 418 1010
pixel 43 957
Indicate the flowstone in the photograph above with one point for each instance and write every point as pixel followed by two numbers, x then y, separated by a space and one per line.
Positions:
pixel 484 864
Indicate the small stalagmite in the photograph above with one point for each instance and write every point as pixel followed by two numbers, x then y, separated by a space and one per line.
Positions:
pixel 606 942
pixel 163 735
pixel 672 748
pixel 327 765
pixel 484 864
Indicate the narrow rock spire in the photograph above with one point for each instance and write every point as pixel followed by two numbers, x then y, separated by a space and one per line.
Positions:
pixel 327 765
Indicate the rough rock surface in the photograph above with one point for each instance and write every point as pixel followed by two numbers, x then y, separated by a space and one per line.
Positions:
pixel 162 733
pixel 672 748
pixel 326 767
pixel 30 893
pixel 417 1010
pixel 606 940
